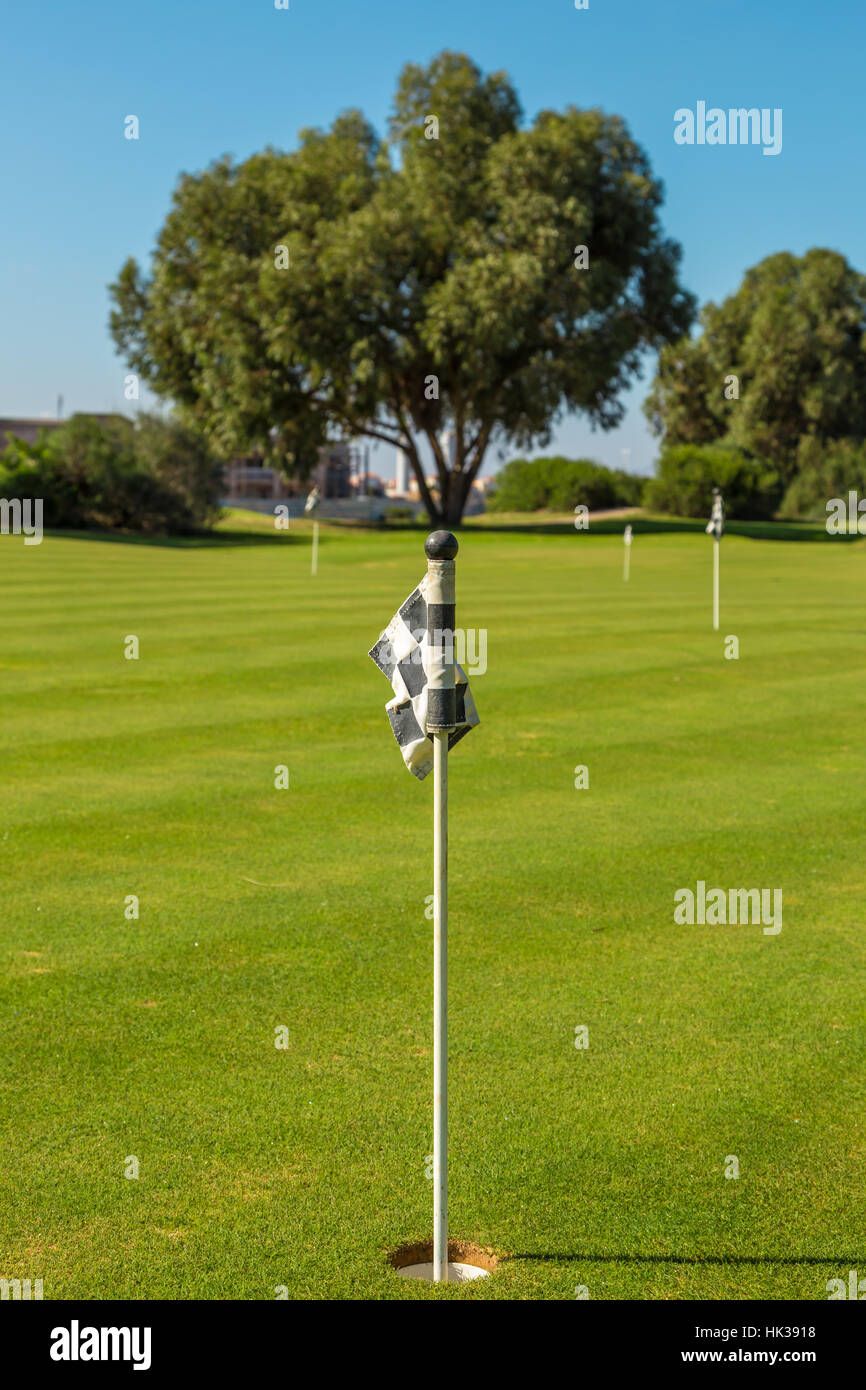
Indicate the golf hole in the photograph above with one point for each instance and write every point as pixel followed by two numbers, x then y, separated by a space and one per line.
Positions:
pixel 466 1261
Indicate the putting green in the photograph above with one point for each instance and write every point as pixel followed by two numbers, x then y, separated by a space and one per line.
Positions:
pixel 264 1168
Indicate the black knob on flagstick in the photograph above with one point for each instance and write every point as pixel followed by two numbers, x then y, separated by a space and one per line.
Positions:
pixel 440 545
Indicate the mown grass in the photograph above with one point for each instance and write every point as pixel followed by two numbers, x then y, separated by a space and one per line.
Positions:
pixel 261 1167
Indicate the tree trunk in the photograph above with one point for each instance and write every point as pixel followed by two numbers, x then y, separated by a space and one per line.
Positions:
pixel 451 504
pixel 447 510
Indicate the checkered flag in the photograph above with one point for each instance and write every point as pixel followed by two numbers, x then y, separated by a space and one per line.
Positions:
pixel 716 523
pixel 402 654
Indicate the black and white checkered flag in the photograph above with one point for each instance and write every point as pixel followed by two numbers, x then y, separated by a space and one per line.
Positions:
pixel 402 654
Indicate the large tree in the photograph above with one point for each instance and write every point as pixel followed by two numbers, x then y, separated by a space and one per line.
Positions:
pixel 794 337
pixel 393 289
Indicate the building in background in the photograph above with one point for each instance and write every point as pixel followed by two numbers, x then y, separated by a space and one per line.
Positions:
pixel 476 502
pixel 28 429
pixel 448 445
pixel 248 481
pixel 342 475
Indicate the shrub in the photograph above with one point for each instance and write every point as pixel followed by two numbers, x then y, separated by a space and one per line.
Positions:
pixel 687 473
pixel 400 513
pixel 561 484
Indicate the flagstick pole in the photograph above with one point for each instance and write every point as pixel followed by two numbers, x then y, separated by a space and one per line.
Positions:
pixel 440 549
pixel 625 564
pixel 315 563
pixel 440 1007
pixel 716 584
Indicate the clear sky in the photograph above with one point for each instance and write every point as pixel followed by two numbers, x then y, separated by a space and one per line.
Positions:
pixel 208 77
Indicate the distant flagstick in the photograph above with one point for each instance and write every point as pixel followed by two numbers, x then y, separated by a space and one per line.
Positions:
pixel 310 508
pixel 626 537
pixel 715 528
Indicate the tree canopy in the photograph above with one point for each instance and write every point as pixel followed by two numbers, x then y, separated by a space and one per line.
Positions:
pixel 794 338
pixel 396 287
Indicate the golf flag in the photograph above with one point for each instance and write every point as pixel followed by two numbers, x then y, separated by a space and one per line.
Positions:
pixel 402 653
pixel 716 523
pixel 431 711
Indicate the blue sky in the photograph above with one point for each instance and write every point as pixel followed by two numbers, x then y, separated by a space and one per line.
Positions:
pixel 206 77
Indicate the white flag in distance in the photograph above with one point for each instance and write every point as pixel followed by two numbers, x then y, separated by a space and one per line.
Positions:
pixel 716 523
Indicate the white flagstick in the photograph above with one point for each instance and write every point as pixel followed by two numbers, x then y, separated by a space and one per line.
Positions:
pixel 440 549
pixel 715 527
pixel 440 1008
pixel 315 564
pixel 626 536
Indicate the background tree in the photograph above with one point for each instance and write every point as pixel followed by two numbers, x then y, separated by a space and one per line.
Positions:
pixel 428 281
pixel 825 471
pixel 152 475
pixel 795 336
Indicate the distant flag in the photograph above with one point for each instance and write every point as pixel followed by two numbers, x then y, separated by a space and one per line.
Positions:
pixel 626 538
pixel 716 523
pixel 715 528
pixel 431 709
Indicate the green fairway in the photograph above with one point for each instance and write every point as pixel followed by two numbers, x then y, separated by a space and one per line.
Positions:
pixel 262 1167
